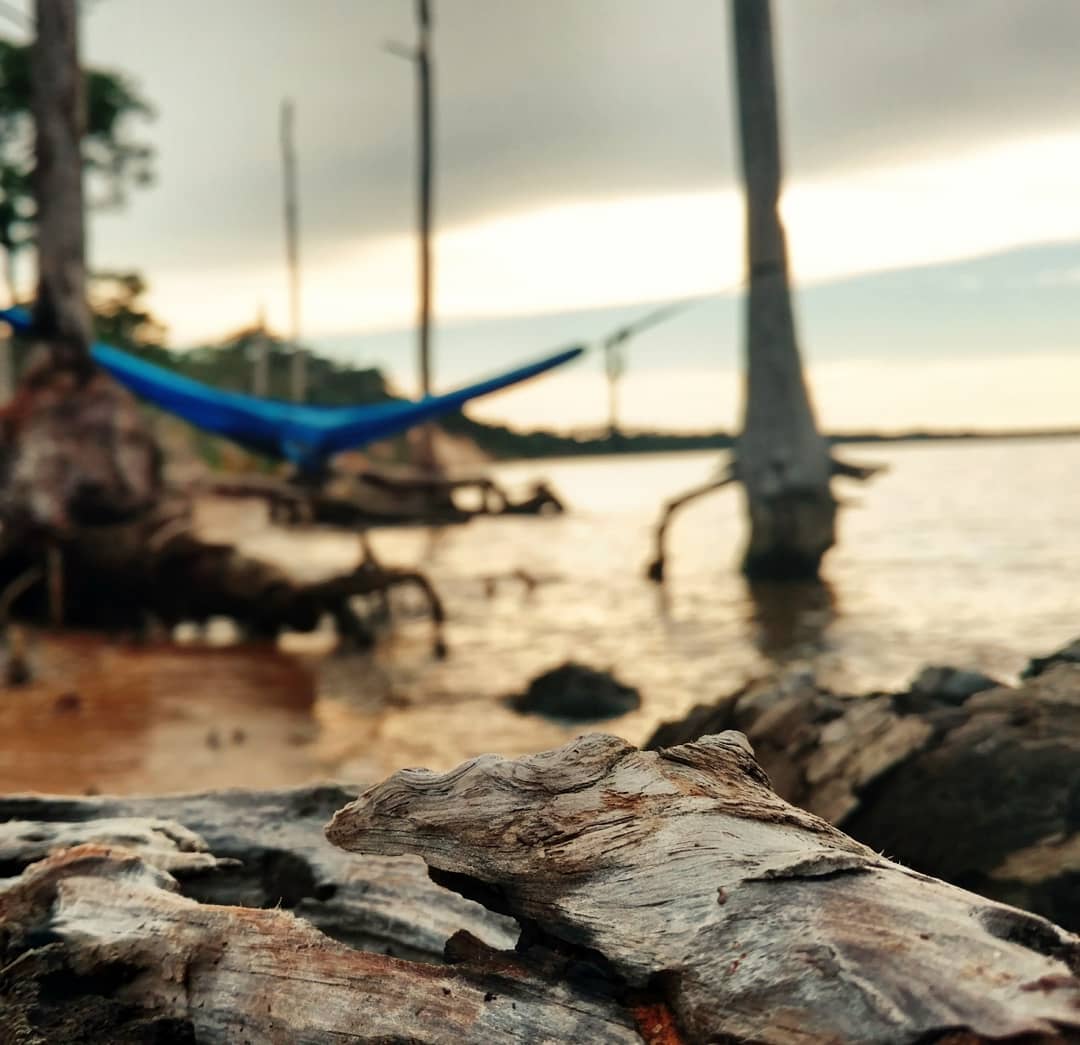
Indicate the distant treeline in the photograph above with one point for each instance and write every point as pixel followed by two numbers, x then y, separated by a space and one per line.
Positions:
pixel 120 320
pixel 230 364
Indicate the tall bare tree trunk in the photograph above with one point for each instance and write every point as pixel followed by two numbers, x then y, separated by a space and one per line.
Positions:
pixel 260 368
pixel 7 354
pixel 782 460
pixel 10 281
pixel 60 117
pixel 298 368
pixel 428 459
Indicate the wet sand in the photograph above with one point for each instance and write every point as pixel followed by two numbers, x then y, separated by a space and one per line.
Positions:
pixel 116 718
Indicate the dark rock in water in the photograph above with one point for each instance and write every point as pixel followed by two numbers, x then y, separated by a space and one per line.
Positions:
pixel 1069 654
pixel 576 692
pixel 952 685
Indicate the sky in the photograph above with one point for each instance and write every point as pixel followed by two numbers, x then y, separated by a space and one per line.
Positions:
pixel 586 170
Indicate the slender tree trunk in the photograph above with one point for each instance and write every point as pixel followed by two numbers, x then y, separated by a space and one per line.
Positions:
pixel 260 370
pixel 9 274
pixel 298 375
pixel 614 367
pixel 424 207
pixel 7 353
pixel 59 116
pixel 782 459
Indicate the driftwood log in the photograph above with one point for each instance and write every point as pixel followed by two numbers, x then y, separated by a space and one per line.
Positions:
pixel 373 498
pixel 155 568
pixel 959 777
pixel 660 896
pixel 91 537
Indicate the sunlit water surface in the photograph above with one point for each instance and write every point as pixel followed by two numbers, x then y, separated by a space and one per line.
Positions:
pixel 965 554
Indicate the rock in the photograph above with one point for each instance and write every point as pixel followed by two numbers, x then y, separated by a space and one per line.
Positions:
pixel 953 685
pixel 573 691
pixel 1069 654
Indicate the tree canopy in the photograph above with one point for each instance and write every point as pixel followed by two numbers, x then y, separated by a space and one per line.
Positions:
pixel 116 159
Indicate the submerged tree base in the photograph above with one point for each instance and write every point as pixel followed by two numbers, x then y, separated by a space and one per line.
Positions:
pixel 789 535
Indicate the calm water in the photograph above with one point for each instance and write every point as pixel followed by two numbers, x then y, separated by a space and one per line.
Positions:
pixel 967 554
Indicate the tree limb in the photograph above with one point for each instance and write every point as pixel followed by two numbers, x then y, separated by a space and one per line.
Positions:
pixel 861 472
pixel 655 570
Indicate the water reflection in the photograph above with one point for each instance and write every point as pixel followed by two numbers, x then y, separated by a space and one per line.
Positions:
pixel 791 619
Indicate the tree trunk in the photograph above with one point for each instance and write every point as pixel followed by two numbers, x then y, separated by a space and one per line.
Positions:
pixel 59 107
pixel 427 457
pixel 782 460
pixel 298 363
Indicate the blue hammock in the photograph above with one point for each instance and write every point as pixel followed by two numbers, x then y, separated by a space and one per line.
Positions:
pixel 305 435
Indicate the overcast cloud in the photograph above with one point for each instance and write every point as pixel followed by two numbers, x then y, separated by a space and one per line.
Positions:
pixel 543 102
pixel 916 133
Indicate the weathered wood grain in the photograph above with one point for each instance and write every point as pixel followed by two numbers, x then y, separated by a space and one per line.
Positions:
pixel 97 945
pixel 258 850
pixel 757 922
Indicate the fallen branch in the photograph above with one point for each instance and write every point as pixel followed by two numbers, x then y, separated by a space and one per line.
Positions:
pixel 373 498
pixel 156 567
pixel 861 472
pixel 265 849
pixel 131 960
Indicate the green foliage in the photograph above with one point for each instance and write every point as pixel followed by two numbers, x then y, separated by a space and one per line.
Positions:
pixel 115 159
pixel 121 318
